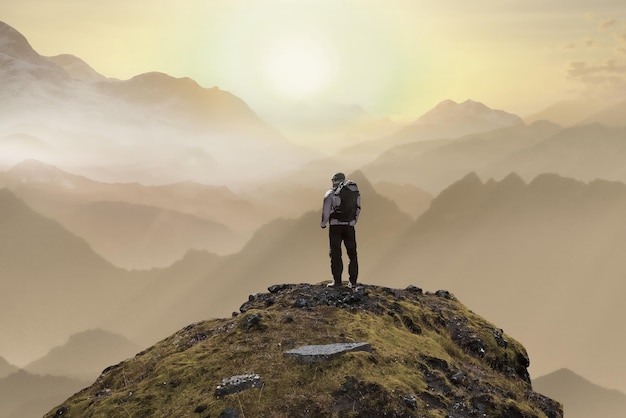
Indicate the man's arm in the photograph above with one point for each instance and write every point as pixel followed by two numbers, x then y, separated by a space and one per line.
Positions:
pixel 326 208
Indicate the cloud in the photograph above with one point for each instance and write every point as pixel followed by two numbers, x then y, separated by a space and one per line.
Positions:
pixel 607 24
pixel 582 68
pixel 606 80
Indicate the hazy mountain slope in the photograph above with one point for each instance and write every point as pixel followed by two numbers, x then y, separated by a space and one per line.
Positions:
pixel 58 194
pixel 137 226
pixel 138 236
pixel 53 283
pixel 580 397
pixel 583 152
pixel 545 258
pixel 76 68
pixel 22 65
pixel 84 355
pixel 444 360
pixel 6 368
pixel 447 120
pixel 296 248
pixel 23 395
pixel 443 162
pixel 410 199
pixel 175 129
pixel 614 116
pixel 160 308
pixel 568 112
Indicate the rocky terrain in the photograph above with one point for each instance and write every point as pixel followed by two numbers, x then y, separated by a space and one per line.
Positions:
pixel 311 351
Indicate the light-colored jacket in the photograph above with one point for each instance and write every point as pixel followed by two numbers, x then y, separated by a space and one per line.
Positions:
pixel 331 201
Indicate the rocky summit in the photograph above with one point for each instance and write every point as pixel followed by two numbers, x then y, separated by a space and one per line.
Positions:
pixel 311 351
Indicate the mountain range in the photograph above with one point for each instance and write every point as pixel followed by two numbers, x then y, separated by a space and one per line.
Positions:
pixel 178 130
pixel 182 199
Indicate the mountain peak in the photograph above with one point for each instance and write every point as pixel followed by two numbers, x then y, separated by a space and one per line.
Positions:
pixel 451 112
pixel 15 44
pixel 76 67
pixel 444 360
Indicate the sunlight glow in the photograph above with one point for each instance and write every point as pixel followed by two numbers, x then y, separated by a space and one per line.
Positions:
pixel 299 67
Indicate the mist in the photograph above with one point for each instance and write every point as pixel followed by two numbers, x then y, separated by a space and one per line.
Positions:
pixel 132 208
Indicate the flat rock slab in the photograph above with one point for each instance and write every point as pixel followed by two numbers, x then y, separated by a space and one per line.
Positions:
pixel 312 353
pixel 238 383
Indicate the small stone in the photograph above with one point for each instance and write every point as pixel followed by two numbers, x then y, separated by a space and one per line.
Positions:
pixel 238 383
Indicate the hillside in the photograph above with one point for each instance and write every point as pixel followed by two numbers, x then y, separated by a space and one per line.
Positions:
pixel 6 368
pixel 84 355
pixel 443 358
pixel 23 395
pixel 580 397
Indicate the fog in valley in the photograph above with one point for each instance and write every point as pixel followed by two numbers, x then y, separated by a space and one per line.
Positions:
pixel 130 208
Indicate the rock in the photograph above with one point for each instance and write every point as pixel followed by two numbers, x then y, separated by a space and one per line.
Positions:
pixel 238 383
pixel 229 413
pixel 312 353
pixel 61 411
pixel 201 408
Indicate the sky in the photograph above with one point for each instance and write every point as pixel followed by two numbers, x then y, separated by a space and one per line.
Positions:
pixel 394 58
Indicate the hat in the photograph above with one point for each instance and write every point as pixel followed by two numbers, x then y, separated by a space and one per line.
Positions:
pixel 339 177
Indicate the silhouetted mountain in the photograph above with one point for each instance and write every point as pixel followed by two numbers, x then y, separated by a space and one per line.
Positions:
pixel 84 355
pixel 23 395
pixel 6 368
pixel 546 258
pixel 580 397
pixel 444 359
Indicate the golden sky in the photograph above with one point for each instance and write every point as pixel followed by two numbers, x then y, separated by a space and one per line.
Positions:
pixel 392 57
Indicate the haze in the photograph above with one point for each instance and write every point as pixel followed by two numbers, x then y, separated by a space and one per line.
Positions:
pixel 159 162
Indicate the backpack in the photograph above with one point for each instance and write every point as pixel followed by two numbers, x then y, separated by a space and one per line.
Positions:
pixel 347 199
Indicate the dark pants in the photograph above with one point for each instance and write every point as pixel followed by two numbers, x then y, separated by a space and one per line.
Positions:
pixel 337 234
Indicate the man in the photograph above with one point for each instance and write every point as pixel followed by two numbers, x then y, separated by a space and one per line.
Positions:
pixel 342 215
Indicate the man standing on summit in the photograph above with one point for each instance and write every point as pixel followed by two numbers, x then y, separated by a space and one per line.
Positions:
pixel 341 209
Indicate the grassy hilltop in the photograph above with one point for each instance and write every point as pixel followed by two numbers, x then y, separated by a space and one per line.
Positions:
pixel 430 357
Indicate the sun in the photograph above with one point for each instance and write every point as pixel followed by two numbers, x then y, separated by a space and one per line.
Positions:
pixel 299 67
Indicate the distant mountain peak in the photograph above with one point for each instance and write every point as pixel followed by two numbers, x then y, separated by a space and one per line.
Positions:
pixel 15 44
pixel 449 111
pixel 76 68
